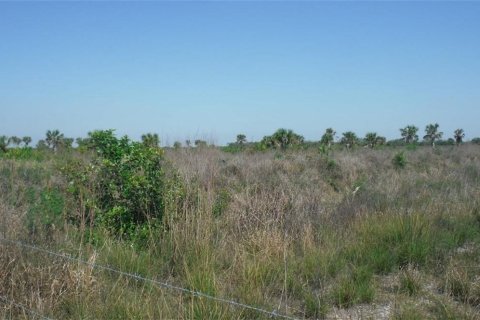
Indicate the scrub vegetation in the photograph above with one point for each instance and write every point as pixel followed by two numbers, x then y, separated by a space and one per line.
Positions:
pixel 354 229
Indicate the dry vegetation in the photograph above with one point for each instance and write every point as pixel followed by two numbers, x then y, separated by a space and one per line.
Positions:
pixel 347 236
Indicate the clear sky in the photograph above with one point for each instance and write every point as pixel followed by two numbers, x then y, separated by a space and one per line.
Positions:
pixel 212 70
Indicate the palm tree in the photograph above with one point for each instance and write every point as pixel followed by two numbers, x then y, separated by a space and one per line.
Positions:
pixel 67 143
pixel 41 145
pixel 409 134
pixel 200 143
pixel 269 142
pixel 381 141
pixel 432 133
pixel 280 137
pixel 177 145
pixel 53 139
pixel 328 137
pixel 83 143
pixel 285 138
pixel 371 139
pixel 241 139
pixel 27 141
pixel 349 139
pixel 4 143
pixel 15 140
pixel 188 143
pixel 458 135
pixel 151 140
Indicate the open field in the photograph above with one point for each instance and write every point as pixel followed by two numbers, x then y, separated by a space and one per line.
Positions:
pixel 349 234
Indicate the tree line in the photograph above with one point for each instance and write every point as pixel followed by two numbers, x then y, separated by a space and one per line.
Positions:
pixel 284 138
pixel 281 139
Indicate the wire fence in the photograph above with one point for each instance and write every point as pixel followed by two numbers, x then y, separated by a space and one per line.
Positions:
pixel 163 284
pixel 33 313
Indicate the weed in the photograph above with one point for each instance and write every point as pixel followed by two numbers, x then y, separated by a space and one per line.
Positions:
pixel 410 282
pixel 399 160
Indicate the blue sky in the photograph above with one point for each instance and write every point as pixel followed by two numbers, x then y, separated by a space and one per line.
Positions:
pixel 212 70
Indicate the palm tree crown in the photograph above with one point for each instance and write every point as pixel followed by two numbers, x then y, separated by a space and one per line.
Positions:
pixel 53 139
pixel 4 143
pixel 409 134
pixel 349 139
pixel 282 138
pixel 241 139
pixel 151 139
pixel 27 141
pixel 458 135
pixel 372 139
pixel 432 134
pixel 328 137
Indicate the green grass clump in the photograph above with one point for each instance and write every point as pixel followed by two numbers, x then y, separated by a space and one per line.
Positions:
pixel 399 161
pixel 384 243
pixel 353 288
pixel 410 282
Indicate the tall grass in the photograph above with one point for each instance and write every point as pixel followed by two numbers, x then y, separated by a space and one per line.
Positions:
pixel 301 233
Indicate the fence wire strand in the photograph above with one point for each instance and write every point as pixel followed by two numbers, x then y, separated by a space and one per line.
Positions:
pixel 24 307
pixel 164 284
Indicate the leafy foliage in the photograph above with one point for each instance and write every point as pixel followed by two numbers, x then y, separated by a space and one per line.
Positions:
pixel 372 140
pixel 328 137
pixel 42 145
pixel 46 212
pixel 128 181
pixel 151 140
pixel 200 143
pixel 4 143
pixel 432 133
pixel 282 138
pixel 15 140
pixel 26 140
pixel 458 135
pixel 409 134
pixel 241 139
pixel 53 139
pixel 349 139
pixel 399 160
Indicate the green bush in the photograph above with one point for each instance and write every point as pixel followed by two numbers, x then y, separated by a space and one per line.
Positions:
pixel 221 203
pixel 128 181
pixel 23 154
pixel 46 212
pixel 399 160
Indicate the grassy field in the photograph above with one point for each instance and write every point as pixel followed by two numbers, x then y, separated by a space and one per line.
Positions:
pixel 390 233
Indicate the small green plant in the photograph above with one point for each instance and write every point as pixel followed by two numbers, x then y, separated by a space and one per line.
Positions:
pixel 324 150
pixel 407 312
pixel 315 306
pixel 399 160
pixel 355 287
pixel 409 281
pixel 45 215
pixel 221 203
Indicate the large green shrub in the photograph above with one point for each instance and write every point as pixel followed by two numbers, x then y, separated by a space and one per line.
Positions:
pixel 128 180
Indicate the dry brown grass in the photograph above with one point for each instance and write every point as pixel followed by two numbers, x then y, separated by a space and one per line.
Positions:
pixel 276 230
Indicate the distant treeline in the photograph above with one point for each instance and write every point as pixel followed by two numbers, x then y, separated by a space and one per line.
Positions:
pixel 281 139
